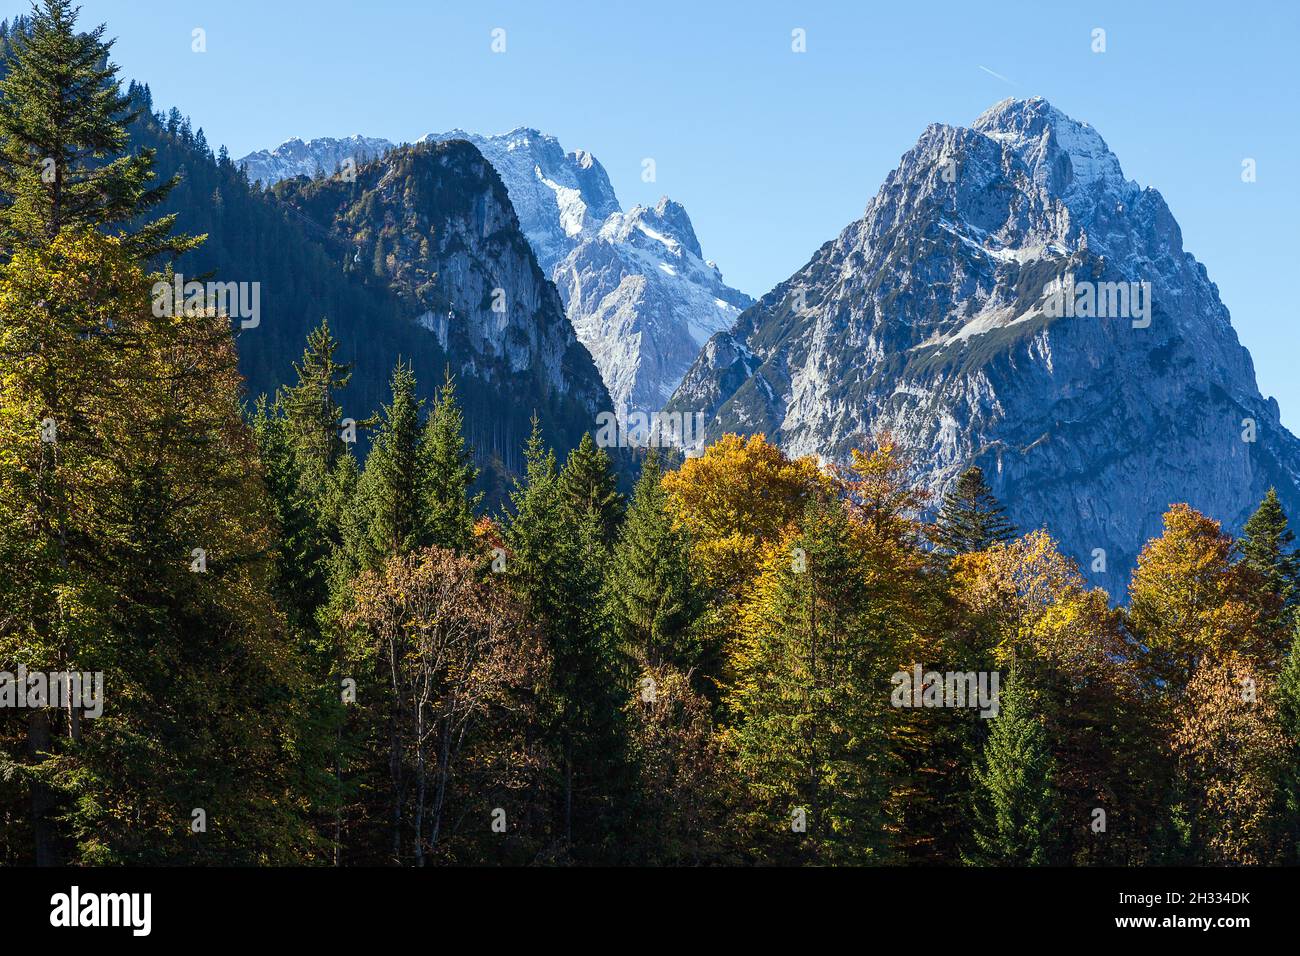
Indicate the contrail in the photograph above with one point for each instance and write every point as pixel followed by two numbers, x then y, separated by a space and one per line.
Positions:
pixel 998 75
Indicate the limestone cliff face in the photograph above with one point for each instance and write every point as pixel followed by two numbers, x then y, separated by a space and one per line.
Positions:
pixel 434 224
pixel 637 288
pixel 934 316
pixel 643 300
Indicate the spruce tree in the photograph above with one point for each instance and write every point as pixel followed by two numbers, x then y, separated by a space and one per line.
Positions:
pixel 1013 812
pixel 449 473
pixel 301 550
pixel 135 544
pixel 652 598
pixel 588 483
pixel 393 491
pixel 1266 547
pixel 312 409
pixel 812 730
pixel 555 564
pixel 971 518
pixel 63 120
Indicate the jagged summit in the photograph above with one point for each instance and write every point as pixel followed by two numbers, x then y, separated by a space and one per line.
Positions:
pixel 934 316
pixel 666 223
pixel 433 224
pixel 635 285
pixel 299 157
pixel 1042 134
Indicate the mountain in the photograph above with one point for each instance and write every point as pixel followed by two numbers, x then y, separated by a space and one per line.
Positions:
pixel 636 286
pixel 402 261
pixel 433 223
pixel 323 156
pixel 1009 299
pixel 560 197
pixel 644 300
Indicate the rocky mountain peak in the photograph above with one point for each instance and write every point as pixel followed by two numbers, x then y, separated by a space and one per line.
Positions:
pixel 559 197
pixel 934 317
pixel 635 285
pixel 1067 157
pixel 433 224
pixel 664 227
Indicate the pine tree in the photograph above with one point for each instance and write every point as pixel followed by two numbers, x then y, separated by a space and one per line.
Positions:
pixel 588 483
pixel 311 408
pixel 971 518
pixel 555 563
pixel 1013 812
pixel 301 440
pixel 449 473
pixel 393 488
pixel 652 598
pixel 135 544
pixel 62 113
pixel 811 729
pixel 1266 547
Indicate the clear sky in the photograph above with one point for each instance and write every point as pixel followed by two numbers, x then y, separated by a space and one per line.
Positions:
pixel 773 152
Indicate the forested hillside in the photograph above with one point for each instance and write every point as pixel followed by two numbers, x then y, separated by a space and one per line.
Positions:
pixel 306 272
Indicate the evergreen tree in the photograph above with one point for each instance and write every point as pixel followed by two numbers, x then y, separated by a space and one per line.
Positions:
pixel 555 563
pixel 134 538
pixel 1288 695
pixel 301 441
pixel 1013 812
pixel 62 114
pixel 971 518
pixel 393 488
pixel 588 484
pixel 811 729
pixel 312 410
pixel 449 473
pixel 301 548
pixel 1266 547
pixel 652 597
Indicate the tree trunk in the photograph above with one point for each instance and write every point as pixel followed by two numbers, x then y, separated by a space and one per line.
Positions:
pixel 38 743
pixel 444 770
pixel 421 788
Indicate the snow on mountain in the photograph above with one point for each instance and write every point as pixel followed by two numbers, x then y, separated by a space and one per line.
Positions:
pixel 295 157
pixel 433 224
pixel 559 197
pixel 939 316
pixel 644 300
pixel 635 285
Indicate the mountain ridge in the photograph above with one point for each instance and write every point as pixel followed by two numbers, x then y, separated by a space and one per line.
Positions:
pixel 931 317
pixel 636 286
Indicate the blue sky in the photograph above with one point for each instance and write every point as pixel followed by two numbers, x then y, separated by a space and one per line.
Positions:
pixel 774 152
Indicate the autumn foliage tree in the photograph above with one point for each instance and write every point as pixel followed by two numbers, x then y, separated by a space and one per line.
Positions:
pixel 451 645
